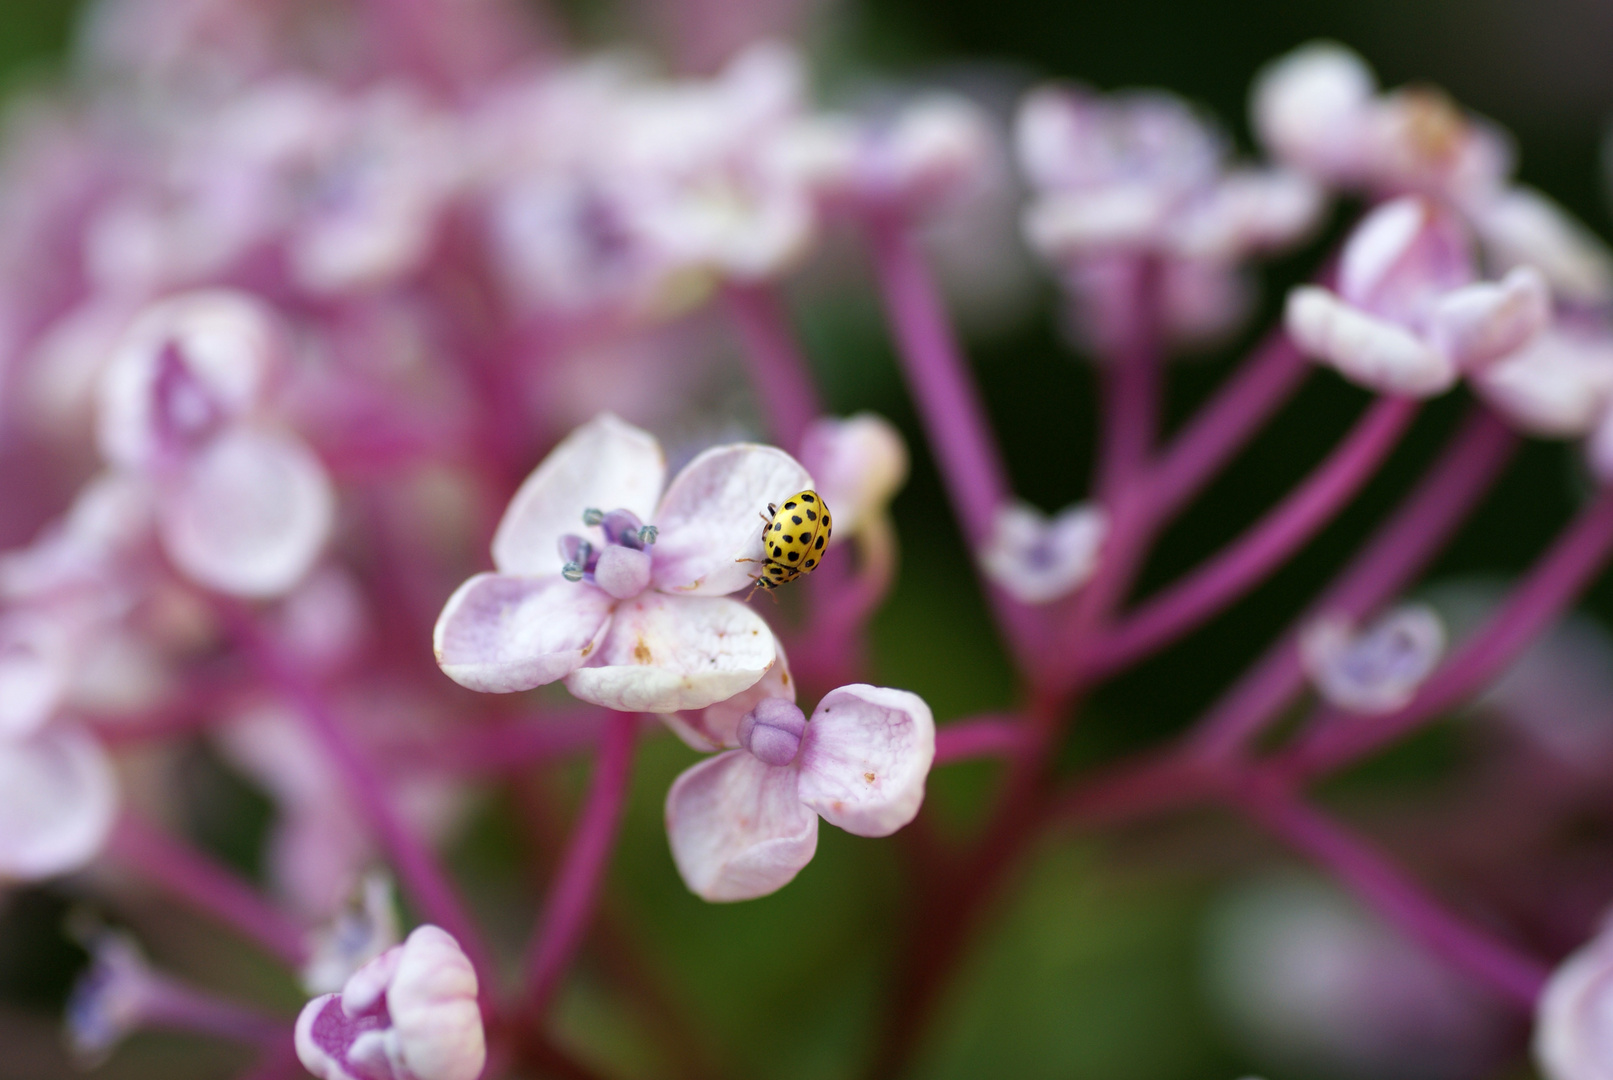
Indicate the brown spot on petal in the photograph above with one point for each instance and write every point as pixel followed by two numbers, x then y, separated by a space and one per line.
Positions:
pixel 641 652
pixel 588 648
pixel 784 679
pixel 868 776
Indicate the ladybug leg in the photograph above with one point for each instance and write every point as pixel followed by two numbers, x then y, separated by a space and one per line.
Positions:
pixel 750 560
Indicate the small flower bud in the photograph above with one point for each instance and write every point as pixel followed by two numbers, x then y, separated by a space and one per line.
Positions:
pixel 623 572
pixel 772 731
pixel 1376 670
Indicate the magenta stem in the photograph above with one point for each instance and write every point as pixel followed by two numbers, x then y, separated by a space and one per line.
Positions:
pixel 1131 392
pixel 1265 547
pixel 1421 526
pixel 207 886
pixel 984 737
pixel 1225 424
pixel 417 866
pixel 779 371
pixel 502 747
pixel 571 903
pixel 1380 883
pixel 172 1005
pixel 1558 578
pixel 938 379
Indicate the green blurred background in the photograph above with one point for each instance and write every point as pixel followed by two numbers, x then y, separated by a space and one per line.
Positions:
pixel 1093 969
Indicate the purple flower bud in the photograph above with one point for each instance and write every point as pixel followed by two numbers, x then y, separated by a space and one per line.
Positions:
pixel 772 731
pixel 579 556
pixel 623 572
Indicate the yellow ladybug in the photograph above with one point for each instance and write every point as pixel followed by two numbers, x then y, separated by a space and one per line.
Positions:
pixel 794 537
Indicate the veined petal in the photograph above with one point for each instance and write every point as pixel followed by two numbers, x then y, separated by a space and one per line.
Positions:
pixel 666 653
pixel 1379 355
pixel 499 633
pixel 607 464
pixel 712 514
pixel 1481 323
pixel 58 797
pixel 865 756
pixel 716 726
pixel 738 829
pixel 250 513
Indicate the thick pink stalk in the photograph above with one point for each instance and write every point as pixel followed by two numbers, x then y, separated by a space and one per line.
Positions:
pixel 1422 525
pixel 1225 424
pixel 780 374
pixel 938 380
pixel 571 903
pixel 426 881
pixel 982 737
pixel 1377 881
pixel 501 747
pixel 199 882
pixel 1263 549
pixel 1131 394
pixel 1535 604
pixel 171 1005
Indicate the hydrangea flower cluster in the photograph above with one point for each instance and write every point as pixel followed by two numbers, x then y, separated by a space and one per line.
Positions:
pixel 326 334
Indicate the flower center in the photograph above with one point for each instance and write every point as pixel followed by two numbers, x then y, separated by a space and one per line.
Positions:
pixel 621 566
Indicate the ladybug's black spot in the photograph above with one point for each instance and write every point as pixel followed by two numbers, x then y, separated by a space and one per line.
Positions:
pixel 812 515
pixel 806 496
pixel 794 555
pixel 810 563
pixel 796 518
pixel 819 544
pixel 778 527
pixel 789 506
pixel 775 570
pixel 788 539
pixel 777 551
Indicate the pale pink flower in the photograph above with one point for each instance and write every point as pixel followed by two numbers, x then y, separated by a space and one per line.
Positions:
pixel 1378 668
pixel 1574 1017
pixel 1126 176
pixel 860 463
pixel 1312 985
pixel 113 999
pixel 1037 559
pixel 634 617
pixel 359 933
pixel 243 505
pixel 58 798
pixel 742 824
pixel 1560 385
pixel 409 1014
pixel 1408 316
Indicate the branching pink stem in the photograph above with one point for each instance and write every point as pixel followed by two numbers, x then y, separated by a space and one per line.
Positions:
pixel 174 1006
pixel 938 380
pixel 1263 549
pixel 577 886
pixel 1225 424
pixel 198 881
pixel 1380 883
pixel 417 866
pixel 780 374
pixel 1421 526
pixel 983 737
pixel 1131 395
pixel 1536 603
pixel 501 747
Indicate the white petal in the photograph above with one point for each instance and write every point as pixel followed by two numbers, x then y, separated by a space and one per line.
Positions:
pixel 738 829
pixel 500 633
pixel 57 801
pixel 432 1000
pixel 1376 670
pixel 227 343
pixel 1557 386
pixel 865 756
pixel 858 463
pixel 1573 1036
pixel 1306 104
pixel 1366 350
pixel 713 513
pixel 1481 323
pixel 1038 559
pixel 35 670
pixel 607 464
pixel 1524 227
pixel 250 514
pixel 666 653
pixel 716 727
